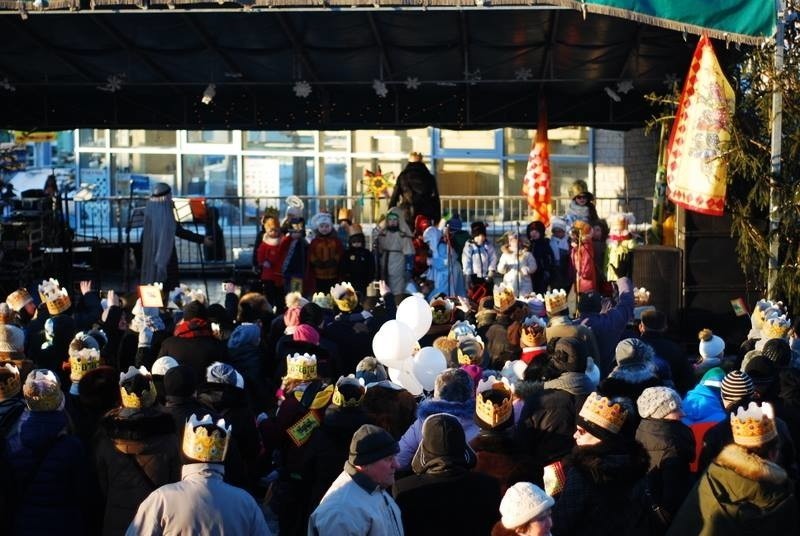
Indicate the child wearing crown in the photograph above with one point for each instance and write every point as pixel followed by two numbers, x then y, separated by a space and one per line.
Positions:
pixel 324 252
pixel 269 257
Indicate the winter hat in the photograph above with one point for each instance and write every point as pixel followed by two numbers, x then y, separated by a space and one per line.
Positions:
pixel 306 333
pixel 453 385
pixel 558 223
pixel 180 381
pixel 161 189
pixel 713 378
pixel 762 371
pixel 42 391
pixel 633 353
pixel 99 388
pixel 291 318
pixel 602 417
pixel 736 387
pixel 536 304
pixel 478 228
pixel 371 371
pixel 474 372
pixel 370 444
pixel 579 187
pixel 455 223
pixel 569 355
pixel 19 299
pixel 442 440
pixel 754 426
pixel 319 219
pixel 9 380
pixel 658 402
pixel 136 388
pixel 218 372
pixel 778 351
pixel 523 502
pixel 449 349
pixel 710 344
pixel 493 409
pixel 349 392
pixel 195 309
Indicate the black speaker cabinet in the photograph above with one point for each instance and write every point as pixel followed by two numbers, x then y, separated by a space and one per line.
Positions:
pixel 659 269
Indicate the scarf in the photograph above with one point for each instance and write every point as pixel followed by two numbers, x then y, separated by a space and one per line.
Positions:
pixel 196 327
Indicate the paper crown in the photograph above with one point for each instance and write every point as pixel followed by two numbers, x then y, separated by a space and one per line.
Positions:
pixel 83 361
pixel 344 295
pixel 54 296
pixel 765 309
pixel 776 327
pixel 301 367
pixel 533 332
pixel 493 406
pixel 18 299
pixel 470 350
pixel 504 297
pixel 344 213
pixel 555 300
pixel 442 310
pixel 323 300
pixel 345 382
pixel 206 441
pixel 9 381
pixel 600 411
pixel 641 296
pixel 135 400
pixel 7 314
pixel 42 391
pixel 754 426
pixel 461 329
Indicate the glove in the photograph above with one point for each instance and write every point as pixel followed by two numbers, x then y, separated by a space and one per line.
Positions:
pixel 145 336
pixel 624 265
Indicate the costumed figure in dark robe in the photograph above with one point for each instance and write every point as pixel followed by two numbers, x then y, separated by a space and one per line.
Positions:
pixel 416 192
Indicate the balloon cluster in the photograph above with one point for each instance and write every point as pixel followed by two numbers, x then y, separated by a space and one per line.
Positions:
pixel 395 345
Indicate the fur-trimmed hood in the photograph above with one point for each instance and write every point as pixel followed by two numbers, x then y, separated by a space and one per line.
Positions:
pixel 462 410
pixel 611 465
pixel 748 465
pixel 123 425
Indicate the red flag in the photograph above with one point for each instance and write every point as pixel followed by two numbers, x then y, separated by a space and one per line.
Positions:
pixel 696 164
pixel 536 185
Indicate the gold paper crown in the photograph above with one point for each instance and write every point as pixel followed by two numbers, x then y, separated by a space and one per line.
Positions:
pixel 641 296
pixel 42 391
pixel 323 300
pixel 344 295
pixel 7 314
pixel 754 426
pixel 83 361
pixel 503 296
pixel 533 332
pixel 134 400
pixel 339 399
pixel 17 299
pixel 487 411
pixel 758 312
pixel 462 329
pixel 555 300
pixel 54 296
pixel 600 411
pixel 465 358
pixel 776 327
pixel 301 367
pixel 442 310
pixel 204 445
pixel 9 381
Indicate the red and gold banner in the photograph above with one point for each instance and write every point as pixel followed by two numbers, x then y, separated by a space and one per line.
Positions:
pixel 696 165
pixel 536 185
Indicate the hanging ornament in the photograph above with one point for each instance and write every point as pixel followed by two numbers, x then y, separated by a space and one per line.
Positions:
pixel 380 88
pixel 113 83
pixel 302 89
pixel 624 87
pixel 523 74
pixel 412 83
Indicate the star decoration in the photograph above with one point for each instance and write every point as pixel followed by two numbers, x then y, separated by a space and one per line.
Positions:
pixel 523 74
pixel 624 87
pixel 113 83
pixel 670 79
pixel 8 86
pixel 380 88
pixel 412 83
pixel 302 89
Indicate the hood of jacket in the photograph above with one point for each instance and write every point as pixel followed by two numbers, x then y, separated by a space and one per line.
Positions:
pixel 611 464
pixel 38 428
pixel 245 335
pixel 575 383
pixel 464 411
pixel 752 467
pixel 702 404
pixel 135 431
pixel 220 396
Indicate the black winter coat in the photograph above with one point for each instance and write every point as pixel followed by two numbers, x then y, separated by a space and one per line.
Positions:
pixel 673 354
pixel 197 352
pixel 416 192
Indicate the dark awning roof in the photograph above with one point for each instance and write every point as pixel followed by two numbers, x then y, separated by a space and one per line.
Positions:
pixel 455 68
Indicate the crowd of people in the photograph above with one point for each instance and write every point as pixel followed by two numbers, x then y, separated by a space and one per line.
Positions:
pixel 270 412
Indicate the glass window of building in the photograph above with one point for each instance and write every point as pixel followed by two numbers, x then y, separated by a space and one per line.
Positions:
pixel 476 179
pixel 268 180
pixel 467 139
pixel 566 141
pixel 336 140
pixel 563 174
pixel 209 175
pixel 143 138
pixel 334 175
pixel 392 141
pixel 209 136
pixel 283 140
pixel 92 137
pixel 140 171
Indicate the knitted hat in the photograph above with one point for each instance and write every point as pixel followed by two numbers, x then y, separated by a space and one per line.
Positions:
pixel 558 223
pixel 442 438
pixel 163 364
pixel 42 391
pixel 710 344
pixel 453 385
pixel 658 402
pixel 19 299
pixel 778 351
pixel 180 381
pixel 602 417
pixel 713 378
pixel 9 380
pixel 633 352
pixel 371 371
pixel 523 502
pixel 569 355
pixel 762 371
pixel 306 333
pixel 348 393
pixel 221 373
pixel 478 228
pixel 136 388
pixel 754 426
pixel 370 444
pixel 536 304
pixel 736 386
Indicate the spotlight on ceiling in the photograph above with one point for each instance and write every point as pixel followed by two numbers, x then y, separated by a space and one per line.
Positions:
pixel 208 94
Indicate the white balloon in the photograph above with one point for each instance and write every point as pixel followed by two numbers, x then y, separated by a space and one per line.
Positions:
pixel 415 312
pixel 393 343
pixel 405 379
pixel 427 365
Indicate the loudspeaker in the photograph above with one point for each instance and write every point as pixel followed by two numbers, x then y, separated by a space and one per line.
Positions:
pixel 659 269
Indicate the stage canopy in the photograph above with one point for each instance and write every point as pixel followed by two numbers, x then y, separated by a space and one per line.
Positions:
pixel 347 64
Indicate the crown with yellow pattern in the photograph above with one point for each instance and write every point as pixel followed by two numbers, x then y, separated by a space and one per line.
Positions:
pixel 442 310
pixel 600 411
pixel 323 300
pixel 54 296
pixel 776 327
pixel 19 299
pixel 754 426
pixel 344 295
pixel 9 381
pixel 461 329
pixel 493 408
pixel 555 301
pixel 470 350
pixel 533 332
pixel 206 441
pixel 137 398
pixel 83 361
pixel 354 392
pixel 504 297
pixel 42 391
pixel 301 367
pixel 641 296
